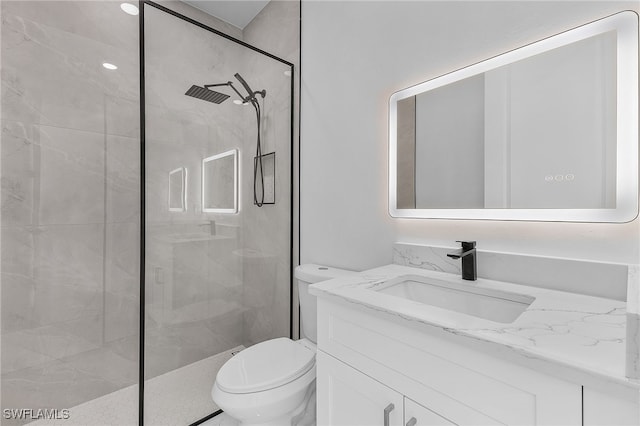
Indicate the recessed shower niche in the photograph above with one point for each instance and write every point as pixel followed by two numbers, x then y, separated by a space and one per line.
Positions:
pixel 267 165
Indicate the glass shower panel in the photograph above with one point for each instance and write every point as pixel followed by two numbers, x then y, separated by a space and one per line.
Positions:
pixel 70 199
pixel 217 279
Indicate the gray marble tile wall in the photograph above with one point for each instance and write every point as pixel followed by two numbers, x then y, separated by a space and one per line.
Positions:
pixel 204 271
pixel 267 230
pixel 70 197
pixel 235 283
pixel 193 277
pixel 71 191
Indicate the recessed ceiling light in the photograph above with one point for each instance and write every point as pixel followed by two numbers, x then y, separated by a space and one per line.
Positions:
pixel 109 66
pixel 129 8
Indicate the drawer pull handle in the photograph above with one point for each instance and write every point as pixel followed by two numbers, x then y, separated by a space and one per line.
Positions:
pixel 387 411
pixel 412 422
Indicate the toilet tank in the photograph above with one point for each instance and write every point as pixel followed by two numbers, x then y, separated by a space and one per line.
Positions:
pixel 306 275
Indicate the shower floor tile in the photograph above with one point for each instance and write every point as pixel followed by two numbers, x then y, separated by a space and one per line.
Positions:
pixel 173 398
pixel 222 419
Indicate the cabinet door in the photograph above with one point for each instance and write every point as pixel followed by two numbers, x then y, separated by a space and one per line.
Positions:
pixel 346 397
pixel 422 415
pixel 605 408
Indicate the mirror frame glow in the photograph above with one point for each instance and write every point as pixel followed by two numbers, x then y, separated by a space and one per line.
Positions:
pixel 183 195
pixel 234 153
pixel 625 24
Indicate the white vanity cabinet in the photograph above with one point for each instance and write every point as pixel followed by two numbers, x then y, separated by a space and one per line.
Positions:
pixel 367 361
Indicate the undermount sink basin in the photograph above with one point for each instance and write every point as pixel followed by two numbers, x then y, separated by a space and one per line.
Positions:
pixel 495 305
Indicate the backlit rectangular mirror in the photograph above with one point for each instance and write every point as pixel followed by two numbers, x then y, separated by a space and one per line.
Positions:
pixel 220 183
pixel 178 190
pixel 545 132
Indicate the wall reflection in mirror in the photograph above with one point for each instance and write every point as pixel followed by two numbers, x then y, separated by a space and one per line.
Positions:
pixel 535 131
pixel 178 190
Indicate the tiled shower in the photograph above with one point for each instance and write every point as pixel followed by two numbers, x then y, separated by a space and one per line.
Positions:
pixel 78 174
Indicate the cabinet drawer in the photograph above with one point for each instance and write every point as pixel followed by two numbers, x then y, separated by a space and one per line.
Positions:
pixel 463 385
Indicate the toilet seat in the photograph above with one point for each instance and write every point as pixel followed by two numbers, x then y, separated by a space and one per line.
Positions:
pixel 265 366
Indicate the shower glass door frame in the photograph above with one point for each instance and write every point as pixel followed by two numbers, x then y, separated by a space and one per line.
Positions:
pixel 143 232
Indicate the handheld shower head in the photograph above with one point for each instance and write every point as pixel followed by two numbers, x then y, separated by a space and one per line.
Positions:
pixel 252 94
pixel 245 85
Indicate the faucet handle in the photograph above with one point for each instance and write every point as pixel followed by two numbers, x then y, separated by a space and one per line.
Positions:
pixel 467 245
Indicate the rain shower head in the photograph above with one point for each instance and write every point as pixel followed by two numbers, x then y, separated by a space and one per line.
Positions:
pixel 206 94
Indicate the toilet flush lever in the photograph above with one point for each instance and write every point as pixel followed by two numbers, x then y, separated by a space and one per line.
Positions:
pixel 388 411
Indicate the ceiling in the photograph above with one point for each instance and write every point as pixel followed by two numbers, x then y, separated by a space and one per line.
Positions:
pixel 236 12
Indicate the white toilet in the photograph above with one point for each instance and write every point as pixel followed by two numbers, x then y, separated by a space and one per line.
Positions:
pixel 272 382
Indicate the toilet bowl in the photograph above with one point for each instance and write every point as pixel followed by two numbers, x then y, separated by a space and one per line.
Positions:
pixel 266 384
pixel 273 382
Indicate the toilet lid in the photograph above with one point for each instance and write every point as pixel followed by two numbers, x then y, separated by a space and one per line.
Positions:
pixel 264 366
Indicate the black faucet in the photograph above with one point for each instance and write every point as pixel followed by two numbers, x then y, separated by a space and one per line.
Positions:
pixel 468 256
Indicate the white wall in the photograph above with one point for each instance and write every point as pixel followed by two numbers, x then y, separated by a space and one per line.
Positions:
pixel 355 55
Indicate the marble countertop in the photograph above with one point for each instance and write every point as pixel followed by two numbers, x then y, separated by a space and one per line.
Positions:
pixel 580 334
